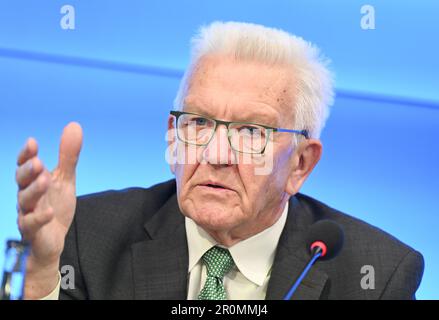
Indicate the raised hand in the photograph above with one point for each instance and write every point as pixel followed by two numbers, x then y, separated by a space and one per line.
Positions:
pixel 46 206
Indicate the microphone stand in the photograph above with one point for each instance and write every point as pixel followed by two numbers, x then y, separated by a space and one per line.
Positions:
pixel 316 253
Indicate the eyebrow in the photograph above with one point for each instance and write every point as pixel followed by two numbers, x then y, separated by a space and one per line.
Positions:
pixel 256 118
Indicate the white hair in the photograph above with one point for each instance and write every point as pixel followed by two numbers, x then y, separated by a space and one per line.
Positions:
pixel 247 41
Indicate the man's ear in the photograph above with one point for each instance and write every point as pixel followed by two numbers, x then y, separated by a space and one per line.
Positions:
pixel 305 158
pixel 171 152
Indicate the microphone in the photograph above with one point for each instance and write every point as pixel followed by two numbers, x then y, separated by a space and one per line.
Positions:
pixel 325 240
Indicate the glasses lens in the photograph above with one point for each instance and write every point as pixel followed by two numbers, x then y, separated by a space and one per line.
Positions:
pixel 195 129
pixel 248 138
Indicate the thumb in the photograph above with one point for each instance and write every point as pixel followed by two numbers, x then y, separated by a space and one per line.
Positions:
pixel 69 149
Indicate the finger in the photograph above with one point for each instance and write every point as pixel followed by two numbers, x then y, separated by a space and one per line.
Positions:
pixel 30 223
pixel 28 172
pixel 29 150
pixel 29 197
pixel 69 150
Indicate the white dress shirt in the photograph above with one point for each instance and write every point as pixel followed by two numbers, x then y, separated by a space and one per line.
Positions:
pixel 253 258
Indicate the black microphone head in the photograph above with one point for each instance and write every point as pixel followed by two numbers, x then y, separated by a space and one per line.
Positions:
pixel 328 232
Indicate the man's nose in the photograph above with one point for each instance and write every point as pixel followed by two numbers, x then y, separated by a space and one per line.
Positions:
pixel 218 151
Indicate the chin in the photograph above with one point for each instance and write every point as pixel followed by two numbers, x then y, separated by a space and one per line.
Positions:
pixel 215 218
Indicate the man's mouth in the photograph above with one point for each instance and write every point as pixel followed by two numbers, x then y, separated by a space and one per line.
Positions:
pixel 215 185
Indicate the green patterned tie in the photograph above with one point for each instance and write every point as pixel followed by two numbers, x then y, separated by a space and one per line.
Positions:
pixel 218 262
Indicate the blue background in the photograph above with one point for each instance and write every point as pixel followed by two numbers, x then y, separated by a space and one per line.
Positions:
pixel 118 71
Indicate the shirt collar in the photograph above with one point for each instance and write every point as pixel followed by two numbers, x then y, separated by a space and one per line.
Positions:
pixel 253 256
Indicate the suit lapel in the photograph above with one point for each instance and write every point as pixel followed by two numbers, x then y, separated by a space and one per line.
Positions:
pixel 160 264
pixel 292 257
pixel 285 272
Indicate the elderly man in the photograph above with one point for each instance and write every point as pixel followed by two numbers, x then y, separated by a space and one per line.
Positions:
pixel 243 138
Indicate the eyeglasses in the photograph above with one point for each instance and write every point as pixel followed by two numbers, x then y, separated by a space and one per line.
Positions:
pixel 244 137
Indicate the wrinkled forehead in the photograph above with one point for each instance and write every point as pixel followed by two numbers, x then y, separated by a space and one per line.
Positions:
pixel 236 88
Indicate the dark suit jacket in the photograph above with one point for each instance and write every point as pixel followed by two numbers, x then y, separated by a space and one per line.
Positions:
pixel 131 244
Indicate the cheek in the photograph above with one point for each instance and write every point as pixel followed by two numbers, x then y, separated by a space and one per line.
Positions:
pixel 282 169
pixel 187 161
pixel 274 170
pixel 183 173
pixel 253 185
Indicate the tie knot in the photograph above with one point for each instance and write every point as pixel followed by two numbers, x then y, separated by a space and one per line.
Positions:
pixel 218 262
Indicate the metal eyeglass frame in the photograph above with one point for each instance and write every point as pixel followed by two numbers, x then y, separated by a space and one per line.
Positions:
pixel 177 115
